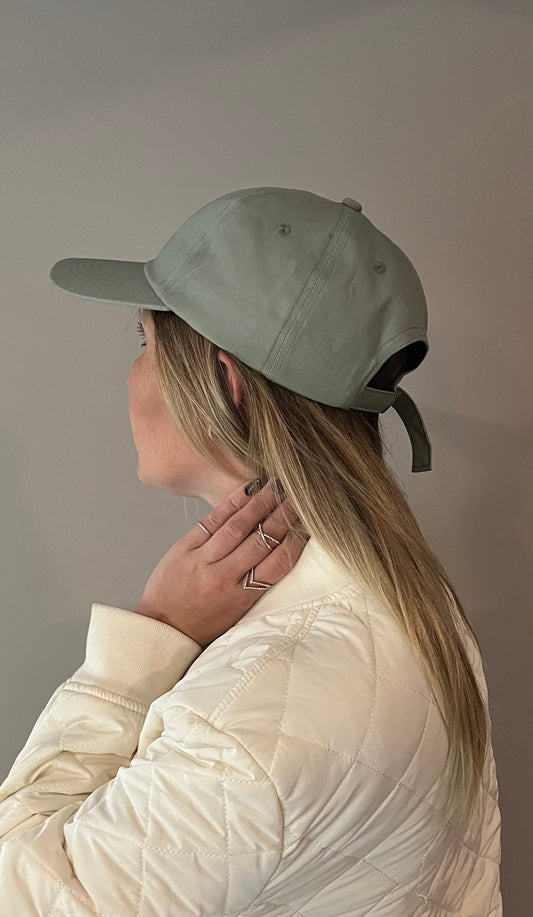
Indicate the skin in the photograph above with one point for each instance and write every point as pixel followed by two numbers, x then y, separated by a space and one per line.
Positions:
pixel 165 459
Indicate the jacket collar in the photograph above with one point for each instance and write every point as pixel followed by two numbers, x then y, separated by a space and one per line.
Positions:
pixel 314 576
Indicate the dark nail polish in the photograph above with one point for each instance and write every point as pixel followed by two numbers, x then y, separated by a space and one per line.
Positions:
pixel 252 487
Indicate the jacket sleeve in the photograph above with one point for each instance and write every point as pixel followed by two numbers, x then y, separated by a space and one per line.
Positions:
pixel 191 826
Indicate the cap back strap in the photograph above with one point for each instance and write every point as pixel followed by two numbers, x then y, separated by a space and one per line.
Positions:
pixel 372 399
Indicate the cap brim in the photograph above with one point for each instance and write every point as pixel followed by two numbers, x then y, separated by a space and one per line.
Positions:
pixel 120 282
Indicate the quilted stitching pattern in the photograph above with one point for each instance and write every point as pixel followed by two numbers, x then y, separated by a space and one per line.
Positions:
pixel 361 810
pixel 293 770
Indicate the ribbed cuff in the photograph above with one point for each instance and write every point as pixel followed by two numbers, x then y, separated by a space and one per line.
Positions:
pixel 134 655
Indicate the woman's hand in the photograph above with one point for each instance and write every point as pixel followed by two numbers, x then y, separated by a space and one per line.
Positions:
pixel 197 587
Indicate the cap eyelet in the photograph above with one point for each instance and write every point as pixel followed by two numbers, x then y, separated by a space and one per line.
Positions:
pixel 379 267
pixel 284 229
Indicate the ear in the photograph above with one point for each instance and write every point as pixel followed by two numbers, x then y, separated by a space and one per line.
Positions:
pixel 232 377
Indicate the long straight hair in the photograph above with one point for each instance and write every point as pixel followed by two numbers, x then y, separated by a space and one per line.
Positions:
pixel 330 463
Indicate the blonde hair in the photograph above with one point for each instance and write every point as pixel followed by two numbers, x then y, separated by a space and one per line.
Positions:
pixel 330 464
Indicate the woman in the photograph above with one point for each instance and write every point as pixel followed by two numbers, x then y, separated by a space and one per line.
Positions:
pixel 294 720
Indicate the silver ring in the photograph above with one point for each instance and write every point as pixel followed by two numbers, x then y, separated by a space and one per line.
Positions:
pixel 204 528
pixel 264 536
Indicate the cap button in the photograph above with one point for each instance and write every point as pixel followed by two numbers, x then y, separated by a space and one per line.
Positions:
pixel 355 205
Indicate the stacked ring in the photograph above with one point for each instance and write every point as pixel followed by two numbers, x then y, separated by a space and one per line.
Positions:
pixel 249 582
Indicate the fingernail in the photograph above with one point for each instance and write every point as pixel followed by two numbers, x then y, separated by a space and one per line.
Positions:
pixel 252 487
pixel 276 486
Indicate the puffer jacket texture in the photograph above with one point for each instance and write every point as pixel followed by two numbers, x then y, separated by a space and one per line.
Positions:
pixel 290 768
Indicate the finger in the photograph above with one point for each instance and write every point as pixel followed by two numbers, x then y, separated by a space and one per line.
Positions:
pixel 252 550
pixel 275 526
pixel 230 536
pixel 217 517
pixel 280 561
pixel 265 499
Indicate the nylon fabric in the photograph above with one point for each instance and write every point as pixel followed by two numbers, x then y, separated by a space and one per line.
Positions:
pixel 290 768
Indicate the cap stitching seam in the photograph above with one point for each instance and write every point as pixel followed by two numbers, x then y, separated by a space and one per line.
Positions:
pixel 341 233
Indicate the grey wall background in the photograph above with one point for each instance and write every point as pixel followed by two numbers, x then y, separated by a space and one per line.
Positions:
pixel 119 120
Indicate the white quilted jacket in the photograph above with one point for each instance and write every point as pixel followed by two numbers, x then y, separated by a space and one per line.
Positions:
pixel 288 769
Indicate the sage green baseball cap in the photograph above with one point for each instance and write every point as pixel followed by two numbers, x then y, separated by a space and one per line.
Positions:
pixel 303 289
